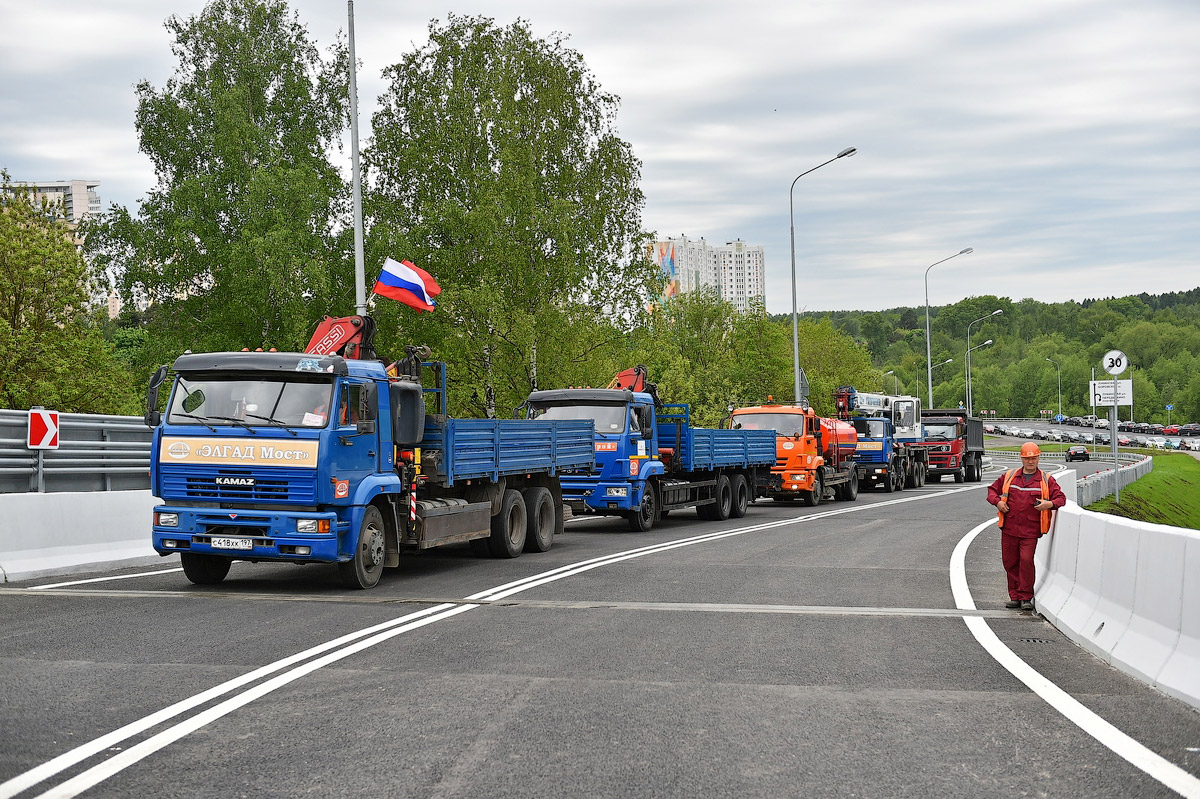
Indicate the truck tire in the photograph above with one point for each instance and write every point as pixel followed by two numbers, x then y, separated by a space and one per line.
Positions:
pixel 364 569
pixel 508 526
pixel 719 510
pixel 848 491
pixel 741 496
pixel 642 519
pixel 539 530
pixel 204 569
pixel 960 476
pixel 890 482
pixel 813 498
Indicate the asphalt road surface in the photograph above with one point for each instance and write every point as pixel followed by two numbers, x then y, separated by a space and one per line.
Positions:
pixel 795 652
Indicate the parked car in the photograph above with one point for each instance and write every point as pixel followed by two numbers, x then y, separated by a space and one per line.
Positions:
pixel 1056 435
pixel 1124 441
pixel 1087 438
pixel 1073 435
pixel 989 428
pixel 1158 442
pixel 1078 453
pixel 1190 430
pixel 1102 438
pixel 1171 430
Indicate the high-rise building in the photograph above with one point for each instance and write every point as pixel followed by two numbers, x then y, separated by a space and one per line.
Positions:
pixel 735 269
pixel 76 197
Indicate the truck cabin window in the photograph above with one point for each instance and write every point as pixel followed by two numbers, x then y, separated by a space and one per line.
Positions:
pixel 357 402
pixel 608 419
pixel 941 432
pixel 784 424
pixel 235 401
pixel 870 428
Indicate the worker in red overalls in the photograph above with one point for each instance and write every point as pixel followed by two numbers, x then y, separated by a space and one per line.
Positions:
pixel 1025 501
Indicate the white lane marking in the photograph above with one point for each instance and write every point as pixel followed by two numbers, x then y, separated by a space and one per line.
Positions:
pixel 1127 748
pixel 103 579
pixel 147 747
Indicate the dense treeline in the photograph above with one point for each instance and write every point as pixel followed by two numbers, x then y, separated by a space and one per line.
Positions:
pixel 1159 333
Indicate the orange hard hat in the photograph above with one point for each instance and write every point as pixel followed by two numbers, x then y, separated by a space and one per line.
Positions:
pixel 1030 449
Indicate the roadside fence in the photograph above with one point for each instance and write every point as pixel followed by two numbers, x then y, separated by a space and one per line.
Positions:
pixel 96 453
pixel 1095 487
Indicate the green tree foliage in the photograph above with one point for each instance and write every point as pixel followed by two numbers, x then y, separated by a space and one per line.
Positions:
pixel 496 167
pixel 53 351
pixel 236 245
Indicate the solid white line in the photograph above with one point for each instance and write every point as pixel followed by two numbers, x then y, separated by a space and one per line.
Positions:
pixel 104 770
pixel 103 579
pixel 1135 753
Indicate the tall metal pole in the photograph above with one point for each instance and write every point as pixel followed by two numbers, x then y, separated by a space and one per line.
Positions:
pixel 792 221
pixel 1059 369
pixel 979 346
pixel 928 353
pixel 970 395
pixel 360 278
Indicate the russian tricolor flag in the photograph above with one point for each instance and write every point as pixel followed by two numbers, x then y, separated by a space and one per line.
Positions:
pixel 408 284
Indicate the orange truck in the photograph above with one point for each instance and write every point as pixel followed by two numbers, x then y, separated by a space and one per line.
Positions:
pixel 814 456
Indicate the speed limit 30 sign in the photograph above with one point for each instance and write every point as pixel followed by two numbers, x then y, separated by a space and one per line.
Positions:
pixel 1115 362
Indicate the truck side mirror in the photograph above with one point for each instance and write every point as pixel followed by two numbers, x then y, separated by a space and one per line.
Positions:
pixel 408 412
pixel 153 417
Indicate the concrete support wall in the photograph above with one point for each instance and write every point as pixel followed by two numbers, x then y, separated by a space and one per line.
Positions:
pixel 1127 591
pixel 68 532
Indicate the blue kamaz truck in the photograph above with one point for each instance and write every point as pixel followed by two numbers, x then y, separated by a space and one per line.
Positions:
pixel 319 458
pixel 891 439
pixel 650 460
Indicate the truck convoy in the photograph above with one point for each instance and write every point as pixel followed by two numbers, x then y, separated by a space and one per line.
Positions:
pixel 891 452
pixel 329 456
pixel 650 460
pixel 814 456
pixel 955 443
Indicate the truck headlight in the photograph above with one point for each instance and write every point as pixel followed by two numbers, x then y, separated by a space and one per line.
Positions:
pixel 616 491
pixel 166 519
pixel 312 525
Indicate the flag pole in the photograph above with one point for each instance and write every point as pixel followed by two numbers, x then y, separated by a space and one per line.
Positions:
pixel 360 279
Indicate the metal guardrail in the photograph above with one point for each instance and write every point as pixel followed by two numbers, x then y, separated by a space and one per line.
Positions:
pixel 96 453
pixel 1097 486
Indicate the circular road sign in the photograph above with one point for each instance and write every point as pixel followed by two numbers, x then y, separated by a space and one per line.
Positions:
pixel 1115 362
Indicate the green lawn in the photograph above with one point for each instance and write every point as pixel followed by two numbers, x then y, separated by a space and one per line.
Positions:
pixel 1168 495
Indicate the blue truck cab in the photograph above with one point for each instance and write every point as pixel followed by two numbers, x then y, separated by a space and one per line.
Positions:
pixel 302 458
pixel 651 460
pixel 891 439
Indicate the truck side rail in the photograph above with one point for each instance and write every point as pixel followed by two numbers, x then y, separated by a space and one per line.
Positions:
pixel 466 449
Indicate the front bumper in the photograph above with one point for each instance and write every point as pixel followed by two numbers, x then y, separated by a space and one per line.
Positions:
pixel 271 535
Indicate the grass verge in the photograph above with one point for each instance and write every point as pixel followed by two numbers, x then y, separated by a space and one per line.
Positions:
pixel 1168 495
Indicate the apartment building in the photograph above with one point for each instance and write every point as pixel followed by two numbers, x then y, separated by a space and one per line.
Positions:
pixel 735 269
pixel 77 198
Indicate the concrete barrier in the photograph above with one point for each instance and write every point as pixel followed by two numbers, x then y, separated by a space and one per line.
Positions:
pixel 1127 591
pixel 66 532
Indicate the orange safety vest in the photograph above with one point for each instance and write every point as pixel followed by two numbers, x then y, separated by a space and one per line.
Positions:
pixel 1045 514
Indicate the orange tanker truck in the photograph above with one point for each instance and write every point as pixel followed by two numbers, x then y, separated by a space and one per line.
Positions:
pixel 814 456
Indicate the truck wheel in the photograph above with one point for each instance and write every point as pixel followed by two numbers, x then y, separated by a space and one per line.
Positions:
pixel 508 526
pixel 365 568
pixel 741 496
pixel 813 498
pixel 960 476
pixel 204 569
pixel 720 510
pixel 539 507
pixel 849 489
pixel 889 480
pixel 922 471
pixel 642 519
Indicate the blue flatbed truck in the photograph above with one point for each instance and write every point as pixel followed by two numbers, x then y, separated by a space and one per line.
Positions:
pixel 317 458
pixel 650 460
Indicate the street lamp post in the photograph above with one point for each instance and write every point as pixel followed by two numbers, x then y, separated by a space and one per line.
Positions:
pixel 895 380
pixel 1059 370
pixel 792 220
pixel 969 350
pixel 936 365
pixel 928 354
pixel 970 397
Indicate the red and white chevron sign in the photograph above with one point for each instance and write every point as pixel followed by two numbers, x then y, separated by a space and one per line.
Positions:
pixel 43 429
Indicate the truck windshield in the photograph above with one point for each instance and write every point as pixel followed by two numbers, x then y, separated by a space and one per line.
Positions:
pixel 870 428
pixel 785 424
pixel 607 418
pixel 223 400
pixel 941 432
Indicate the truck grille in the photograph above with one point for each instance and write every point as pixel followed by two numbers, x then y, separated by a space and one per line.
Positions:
pixel 282 485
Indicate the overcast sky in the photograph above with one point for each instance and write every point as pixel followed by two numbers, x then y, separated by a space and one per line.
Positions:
pixel 1058 138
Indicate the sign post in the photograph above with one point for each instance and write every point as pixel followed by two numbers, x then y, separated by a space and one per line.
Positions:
pixel 41 435
pixel 1115 363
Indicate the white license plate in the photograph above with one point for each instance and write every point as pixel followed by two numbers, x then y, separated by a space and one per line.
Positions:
pixel 233 543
